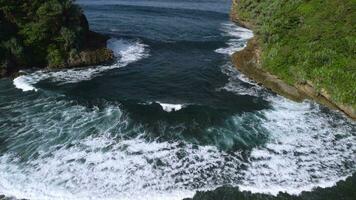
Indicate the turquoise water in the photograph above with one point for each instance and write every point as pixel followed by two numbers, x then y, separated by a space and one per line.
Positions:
pixel 170 117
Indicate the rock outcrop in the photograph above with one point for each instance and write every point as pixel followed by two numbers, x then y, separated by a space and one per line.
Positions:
pixel 95 52
pixel 53 34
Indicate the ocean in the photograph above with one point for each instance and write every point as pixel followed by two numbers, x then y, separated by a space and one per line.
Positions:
pixel 170 117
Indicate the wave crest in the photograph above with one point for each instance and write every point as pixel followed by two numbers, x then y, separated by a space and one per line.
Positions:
pixel 238 37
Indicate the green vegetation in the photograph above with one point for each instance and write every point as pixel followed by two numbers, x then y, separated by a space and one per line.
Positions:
pixel 344 190
pixel 307 40
pixel 39 33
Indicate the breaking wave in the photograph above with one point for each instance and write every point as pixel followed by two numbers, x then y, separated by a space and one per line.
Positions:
pixel 238 37
pixel 309 145
pixel 75 152
pixel 171 107
pixel 55 148
pixel 307 148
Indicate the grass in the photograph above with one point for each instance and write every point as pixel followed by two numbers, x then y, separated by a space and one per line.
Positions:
pixel 307 40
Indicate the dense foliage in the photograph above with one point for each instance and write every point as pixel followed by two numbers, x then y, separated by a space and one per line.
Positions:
pixel 312 40
pixel 39 32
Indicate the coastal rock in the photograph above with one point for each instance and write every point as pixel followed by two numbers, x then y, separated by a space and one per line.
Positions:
pixel 235 17
pixel 94 50
pixel 65 40
pixel 94 53
pixel 248 61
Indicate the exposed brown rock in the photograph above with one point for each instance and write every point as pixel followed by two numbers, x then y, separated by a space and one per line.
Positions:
pixel 248 62
pixel 94 53
pixel 234 16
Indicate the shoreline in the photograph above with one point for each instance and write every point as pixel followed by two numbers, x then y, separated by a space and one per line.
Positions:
pixel 248 61
pixel 94 53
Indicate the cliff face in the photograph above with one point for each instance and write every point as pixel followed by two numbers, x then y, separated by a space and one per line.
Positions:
pixel 94 52
pixel 47 34
pixel 252 61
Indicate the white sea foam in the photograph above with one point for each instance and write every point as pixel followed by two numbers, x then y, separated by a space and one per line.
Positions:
pixel 306 149
pixel 236 80
pixel 126 52
pixel 239 37
pixel 171 107
pixel 103 168
pixel 168 107
pixel 95 155
pixel 24 83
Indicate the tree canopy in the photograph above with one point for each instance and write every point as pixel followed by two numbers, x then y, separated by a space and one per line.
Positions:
pixel 39 32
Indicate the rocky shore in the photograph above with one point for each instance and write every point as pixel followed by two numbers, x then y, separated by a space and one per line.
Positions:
pixel 67 41
pixel 248 61
pixel 95 52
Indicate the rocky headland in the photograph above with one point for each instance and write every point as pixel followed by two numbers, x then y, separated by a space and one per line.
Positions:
pixel 47 34
pixel 251 62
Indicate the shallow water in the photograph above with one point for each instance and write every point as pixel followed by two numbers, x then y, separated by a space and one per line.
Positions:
pixel 170 117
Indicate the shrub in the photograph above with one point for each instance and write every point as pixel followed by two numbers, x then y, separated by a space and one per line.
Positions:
pixel 308 40
pixel 45 31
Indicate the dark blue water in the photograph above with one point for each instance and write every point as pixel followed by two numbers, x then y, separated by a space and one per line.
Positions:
pixel 170 117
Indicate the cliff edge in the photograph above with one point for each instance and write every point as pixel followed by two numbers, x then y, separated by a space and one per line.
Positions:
pixel 47 34
pixel 297 65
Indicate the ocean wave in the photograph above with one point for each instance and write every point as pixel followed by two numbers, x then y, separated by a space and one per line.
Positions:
pixel 126 52
pixel 106 167
pixel 75 152
pixel 57 149
pixel 171 107
pixel 238 38
pixel 307 149
pixel 309 145
pixel 239 84
pixel 68 151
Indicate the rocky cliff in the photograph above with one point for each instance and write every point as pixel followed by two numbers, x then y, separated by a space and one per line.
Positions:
pixel 47 34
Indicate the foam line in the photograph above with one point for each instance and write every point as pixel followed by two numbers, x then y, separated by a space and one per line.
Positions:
pixel 126 52
pixel 238 38
pixel 308 146
pixel 307 149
